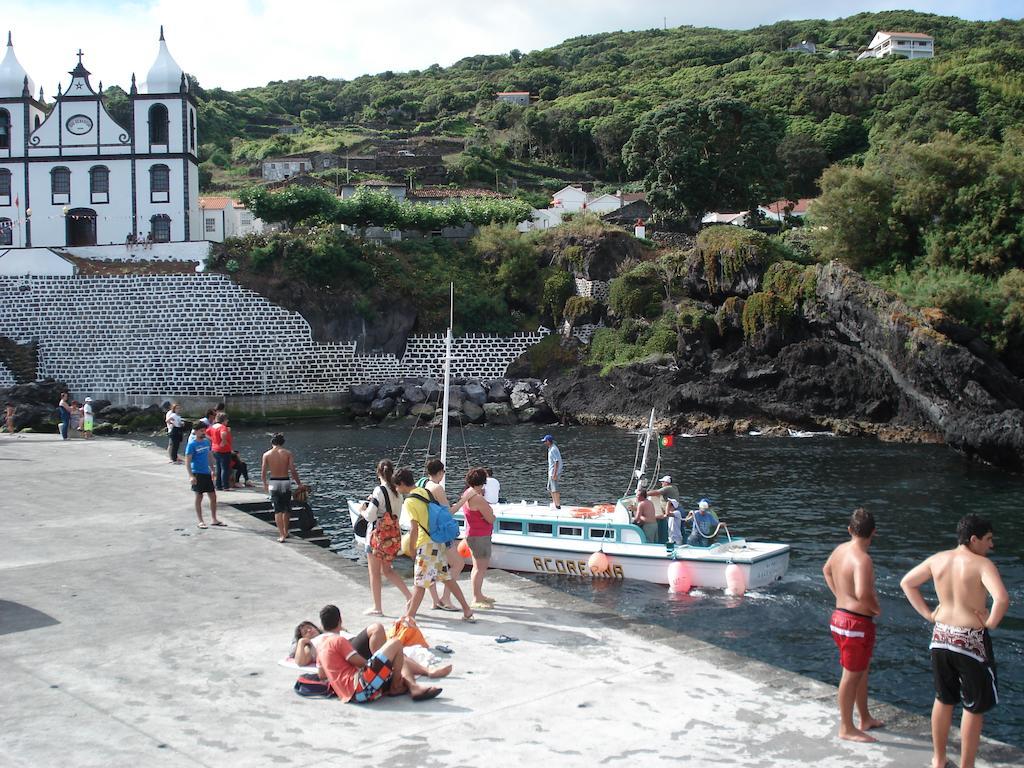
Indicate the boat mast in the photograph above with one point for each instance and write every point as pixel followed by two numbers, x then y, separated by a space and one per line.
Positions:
pixel 647 447
pixel 447 376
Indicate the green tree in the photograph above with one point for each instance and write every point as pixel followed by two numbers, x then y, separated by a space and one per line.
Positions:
pixel 696 156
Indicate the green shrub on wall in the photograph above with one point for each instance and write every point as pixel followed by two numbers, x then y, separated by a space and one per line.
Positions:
pixel 727 250
pixel 636 293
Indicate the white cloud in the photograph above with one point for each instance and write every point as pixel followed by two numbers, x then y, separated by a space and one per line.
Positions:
pixel 239 43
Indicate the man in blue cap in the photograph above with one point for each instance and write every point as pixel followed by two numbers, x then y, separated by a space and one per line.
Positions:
pixel 554 469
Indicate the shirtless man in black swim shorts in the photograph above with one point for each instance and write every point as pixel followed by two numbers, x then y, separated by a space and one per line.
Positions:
pixel 277 472
pixel 963 666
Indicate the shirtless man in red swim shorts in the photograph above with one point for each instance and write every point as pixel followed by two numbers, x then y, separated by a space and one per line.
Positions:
pixel 963 665
pixel 850 575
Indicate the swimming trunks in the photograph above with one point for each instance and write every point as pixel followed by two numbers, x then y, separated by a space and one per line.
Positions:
pixel 431 565
pixel 373 679
pixel 280 494
pixel 854 635
pixel 203 482
pixel 964 667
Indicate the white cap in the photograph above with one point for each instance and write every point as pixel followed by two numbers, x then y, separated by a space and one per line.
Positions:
pixel 88 399
pixel 703 504
pixel 666 479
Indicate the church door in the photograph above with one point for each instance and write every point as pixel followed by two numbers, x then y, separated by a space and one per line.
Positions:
pixel 81 226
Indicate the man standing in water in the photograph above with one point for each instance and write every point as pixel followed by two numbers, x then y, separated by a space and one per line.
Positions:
pixel 278 466
pixel 554 470
pixel 850 575
pixel 963 665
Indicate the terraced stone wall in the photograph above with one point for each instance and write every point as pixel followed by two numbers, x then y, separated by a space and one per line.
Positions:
pixel 202 334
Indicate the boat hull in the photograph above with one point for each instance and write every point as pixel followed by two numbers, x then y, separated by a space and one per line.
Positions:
pixel 761 563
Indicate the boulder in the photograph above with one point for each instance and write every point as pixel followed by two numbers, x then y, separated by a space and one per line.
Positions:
pixel 432 390
pixel 363 393
pixel 474 413
pixel 499 413
pixel 527 414
pixel 456 396
pixel 392 389
pixel 381 407
pixel 475 393
pixel 522 395
pixel 359 409
pixel 422 411
pixel 496 392
pixel 400 410
pixel 414 394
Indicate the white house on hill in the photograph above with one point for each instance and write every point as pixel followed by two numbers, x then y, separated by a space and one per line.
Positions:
pixel 70 175
pixel 224 217
pixel 912 45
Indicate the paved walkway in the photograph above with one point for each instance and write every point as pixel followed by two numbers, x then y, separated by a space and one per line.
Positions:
pixel 128 637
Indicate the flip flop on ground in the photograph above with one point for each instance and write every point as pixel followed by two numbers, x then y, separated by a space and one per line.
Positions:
pixel 429 693
pixel 220 523
pixel 201 525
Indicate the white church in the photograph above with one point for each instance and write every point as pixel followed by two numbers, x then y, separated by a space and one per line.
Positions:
pixel 70 175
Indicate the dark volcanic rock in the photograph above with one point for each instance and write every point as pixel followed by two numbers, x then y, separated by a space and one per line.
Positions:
pixel 363 393
pixel 496 392
pixel 381 407
pixel 500 413
pixel 857 360
pixel 475 393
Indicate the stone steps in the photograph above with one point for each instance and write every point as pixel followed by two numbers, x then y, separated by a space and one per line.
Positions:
pixel 264 510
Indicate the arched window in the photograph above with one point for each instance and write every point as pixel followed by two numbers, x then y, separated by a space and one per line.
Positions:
pixel 38 122
pixel 5 187
pixel 6 232
pixel 5 129
pixel 60 185
pixel 158 121
pixel 192 130
pixel 159 184
pixel 99 184
pixel 160 227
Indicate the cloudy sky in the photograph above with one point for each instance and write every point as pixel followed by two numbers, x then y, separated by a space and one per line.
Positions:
pixel 240 43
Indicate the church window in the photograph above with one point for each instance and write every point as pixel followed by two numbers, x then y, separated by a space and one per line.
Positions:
pixel 192 130
pixel 60 185
pixel 159 184
pixel 5 187
pixel 160 226
pixel 6 232
pixel 38 122
pixel 5 129
pixel 158 122
pixel 99 184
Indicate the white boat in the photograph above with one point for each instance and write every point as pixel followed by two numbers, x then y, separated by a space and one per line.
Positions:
pixel 807 433
pixel 534 538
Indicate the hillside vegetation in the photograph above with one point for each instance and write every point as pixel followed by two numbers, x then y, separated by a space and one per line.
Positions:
pixel 918 165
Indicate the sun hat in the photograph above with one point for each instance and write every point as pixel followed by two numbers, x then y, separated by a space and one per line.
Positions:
pixel 666 479
pixel 547 438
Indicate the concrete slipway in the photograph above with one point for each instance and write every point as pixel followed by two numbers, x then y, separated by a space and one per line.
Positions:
pixel 128 637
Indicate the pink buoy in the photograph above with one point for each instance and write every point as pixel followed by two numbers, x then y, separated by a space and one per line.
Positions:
pixel 679 577
pixel 735 580
pixel 599 563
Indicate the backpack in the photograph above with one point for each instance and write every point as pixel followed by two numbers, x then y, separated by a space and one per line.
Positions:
pixel 441 527
pixel 311 685
pixel 386 539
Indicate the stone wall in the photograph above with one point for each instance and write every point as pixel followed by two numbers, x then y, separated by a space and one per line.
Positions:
pixel 203 335
pixel 596 289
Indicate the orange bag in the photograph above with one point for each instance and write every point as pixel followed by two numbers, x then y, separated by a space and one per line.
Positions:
pixel 408 633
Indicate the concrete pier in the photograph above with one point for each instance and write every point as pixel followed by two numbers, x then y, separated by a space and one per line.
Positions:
pixel 129 637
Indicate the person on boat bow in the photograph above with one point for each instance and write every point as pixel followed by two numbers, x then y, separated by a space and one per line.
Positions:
pixel 646 516
pixel 705 525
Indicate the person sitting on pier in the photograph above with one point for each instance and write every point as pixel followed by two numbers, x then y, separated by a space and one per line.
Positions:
pixel 239 469
pixel 705 525
pixel 363 678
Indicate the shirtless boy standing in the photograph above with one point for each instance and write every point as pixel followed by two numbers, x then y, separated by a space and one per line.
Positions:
pixel 277 467
pixel 963 666
pixel 850 575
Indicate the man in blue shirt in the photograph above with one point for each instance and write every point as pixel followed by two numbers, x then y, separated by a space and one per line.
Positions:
pixel 705 525
pixel 199 464
pixel 554 470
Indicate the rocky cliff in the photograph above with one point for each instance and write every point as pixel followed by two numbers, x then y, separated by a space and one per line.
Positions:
pixel 850 357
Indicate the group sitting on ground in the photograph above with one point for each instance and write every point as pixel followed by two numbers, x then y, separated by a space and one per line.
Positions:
pixel 364 667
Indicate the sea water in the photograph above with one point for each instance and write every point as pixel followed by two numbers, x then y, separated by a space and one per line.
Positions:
pixel 794 490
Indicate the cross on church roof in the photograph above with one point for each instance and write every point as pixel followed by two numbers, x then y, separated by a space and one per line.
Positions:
pixel 80 55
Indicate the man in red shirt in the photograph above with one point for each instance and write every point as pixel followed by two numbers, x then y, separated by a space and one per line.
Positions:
pixel 360 680
pixel 220 437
